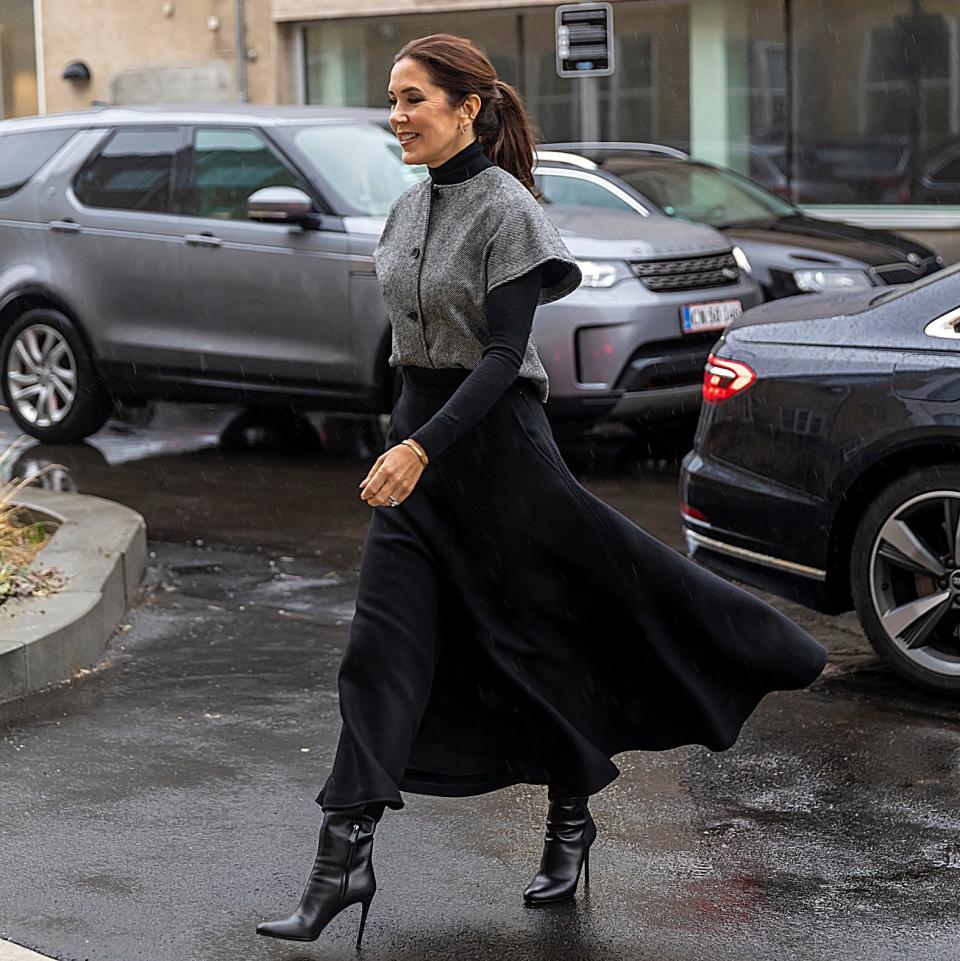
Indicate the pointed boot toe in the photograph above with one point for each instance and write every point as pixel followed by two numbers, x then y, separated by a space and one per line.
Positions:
pixel 342 875
pixel 290 928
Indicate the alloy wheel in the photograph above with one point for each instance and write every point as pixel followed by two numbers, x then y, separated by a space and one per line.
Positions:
pixel 915 580
pixel 41 375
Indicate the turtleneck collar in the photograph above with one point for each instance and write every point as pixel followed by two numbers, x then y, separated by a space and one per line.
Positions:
pixel 461 166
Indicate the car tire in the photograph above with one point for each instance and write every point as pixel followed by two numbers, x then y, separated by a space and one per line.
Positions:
pixel 905 588
pixel 42 349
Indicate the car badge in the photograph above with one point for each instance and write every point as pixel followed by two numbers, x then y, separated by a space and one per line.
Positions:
pixel 914 259
pixel 731 273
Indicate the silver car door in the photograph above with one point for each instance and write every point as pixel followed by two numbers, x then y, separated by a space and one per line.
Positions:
pixel 264 302
pixel 114 246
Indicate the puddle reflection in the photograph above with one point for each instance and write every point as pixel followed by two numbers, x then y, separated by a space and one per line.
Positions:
pixel 255 477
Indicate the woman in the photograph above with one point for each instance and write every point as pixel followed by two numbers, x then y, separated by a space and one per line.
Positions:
pixel 510 627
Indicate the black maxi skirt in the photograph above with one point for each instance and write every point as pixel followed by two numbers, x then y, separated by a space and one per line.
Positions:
pixel 511 627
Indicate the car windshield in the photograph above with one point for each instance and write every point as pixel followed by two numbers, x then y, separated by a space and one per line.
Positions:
pixel 703 194
pixel 359 162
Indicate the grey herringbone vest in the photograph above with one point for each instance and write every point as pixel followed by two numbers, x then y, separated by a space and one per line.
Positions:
pixel 444 247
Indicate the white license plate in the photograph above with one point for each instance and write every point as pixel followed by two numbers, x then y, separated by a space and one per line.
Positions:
pixel 713 316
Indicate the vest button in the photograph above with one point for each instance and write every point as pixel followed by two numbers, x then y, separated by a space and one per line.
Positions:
pixel 415 252
pixel 412 314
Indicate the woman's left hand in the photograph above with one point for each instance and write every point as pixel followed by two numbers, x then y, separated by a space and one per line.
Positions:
pixel 396 471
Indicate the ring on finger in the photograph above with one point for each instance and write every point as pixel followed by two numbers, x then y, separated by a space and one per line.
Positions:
pixel 392 501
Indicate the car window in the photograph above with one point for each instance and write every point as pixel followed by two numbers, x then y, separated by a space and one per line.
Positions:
pixel 134 171
pixel 23 154
pixel 704 194
pixel 558 188
pixel 359 164
pixel 229 166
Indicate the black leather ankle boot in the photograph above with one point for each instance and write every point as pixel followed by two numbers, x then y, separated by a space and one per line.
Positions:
pixel 342 875
pixel 566 848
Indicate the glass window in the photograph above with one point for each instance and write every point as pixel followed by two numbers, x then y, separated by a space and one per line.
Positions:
pixel 559 188
pixel 869 95
pixel 229 166
pixel 949 172
pixel 703 194
pixel 348 61
pixel 134 171
pixel 897 64
pixel 23 154
pixel 359 163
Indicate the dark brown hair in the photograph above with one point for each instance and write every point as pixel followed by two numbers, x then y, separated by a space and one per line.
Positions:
pixel 459 68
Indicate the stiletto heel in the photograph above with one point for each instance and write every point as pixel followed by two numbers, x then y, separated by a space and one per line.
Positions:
pixel 566 851
pixel 342 875
pixel 363 921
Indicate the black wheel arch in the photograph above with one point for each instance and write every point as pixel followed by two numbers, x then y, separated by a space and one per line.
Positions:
pixel 855 500
pixel 18 302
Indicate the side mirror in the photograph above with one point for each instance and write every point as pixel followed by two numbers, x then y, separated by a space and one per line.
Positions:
pixel 279 205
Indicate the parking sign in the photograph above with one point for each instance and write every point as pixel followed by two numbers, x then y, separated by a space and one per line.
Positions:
pixel 584 40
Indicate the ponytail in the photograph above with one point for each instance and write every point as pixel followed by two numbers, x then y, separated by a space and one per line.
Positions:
pixel 512 146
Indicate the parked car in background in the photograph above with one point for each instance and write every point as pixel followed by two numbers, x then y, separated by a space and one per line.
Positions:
pixel 826 464
pixel 224 254
pixel 788 251
pixel 858 169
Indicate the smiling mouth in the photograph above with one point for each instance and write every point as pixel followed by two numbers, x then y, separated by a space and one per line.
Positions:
pixel 406 138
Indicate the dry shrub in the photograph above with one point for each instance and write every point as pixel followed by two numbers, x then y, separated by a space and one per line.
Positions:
pixel 21 538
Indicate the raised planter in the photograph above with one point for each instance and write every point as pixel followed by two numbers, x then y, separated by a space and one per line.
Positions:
pixel 100 547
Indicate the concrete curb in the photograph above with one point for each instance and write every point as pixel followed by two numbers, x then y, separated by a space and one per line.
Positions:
pixel 101 547
pixel 14 952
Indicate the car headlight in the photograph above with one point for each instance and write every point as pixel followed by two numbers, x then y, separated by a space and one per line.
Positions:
pixel 603 273
pixel 742 261
pixel 815 281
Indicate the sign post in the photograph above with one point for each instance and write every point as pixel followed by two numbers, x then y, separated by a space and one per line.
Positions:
pixel 585 51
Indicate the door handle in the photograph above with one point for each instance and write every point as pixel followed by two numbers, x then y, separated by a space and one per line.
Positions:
pixel 203 240
pixel 64 226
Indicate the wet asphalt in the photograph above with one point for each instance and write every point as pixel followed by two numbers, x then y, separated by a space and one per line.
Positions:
pixel 160 806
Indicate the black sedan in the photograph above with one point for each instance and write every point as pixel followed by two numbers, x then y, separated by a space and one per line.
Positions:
pixel 826 464
pixel 787 251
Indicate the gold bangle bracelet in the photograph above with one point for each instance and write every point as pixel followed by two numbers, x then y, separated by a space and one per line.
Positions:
pixel 418 450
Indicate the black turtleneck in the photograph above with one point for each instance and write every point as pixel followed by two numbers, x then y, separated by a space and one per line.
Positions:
pixel 461 166
pixel 509 312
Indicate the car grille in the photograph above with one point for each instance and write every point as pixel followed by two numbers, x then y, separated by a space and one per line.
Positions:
pixel 687 273
pixel 905 273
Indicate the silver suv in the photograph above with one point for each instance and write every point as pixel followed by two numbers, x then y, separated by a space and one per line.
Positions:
pixel 224 254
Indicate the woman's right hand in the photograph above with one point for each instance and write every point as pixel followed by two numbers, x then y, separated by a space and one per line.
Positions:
pixel 396 471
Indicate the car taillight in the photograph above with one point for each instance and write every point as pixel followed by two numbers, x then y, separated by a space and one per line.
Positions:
pixel 723 378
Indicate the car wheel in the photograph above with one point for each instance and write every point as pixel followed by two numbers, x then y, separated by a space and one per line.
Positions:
pixel 50 383
pixel 905 576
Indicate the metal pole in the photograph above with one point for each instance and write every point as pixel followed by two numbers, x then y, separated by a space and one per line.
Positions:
pixel 241 49
pixel 789 139
pixel 589 109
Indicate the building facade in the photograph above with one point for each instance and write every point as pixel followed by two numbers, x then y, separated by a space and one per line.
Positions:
pixel 842 106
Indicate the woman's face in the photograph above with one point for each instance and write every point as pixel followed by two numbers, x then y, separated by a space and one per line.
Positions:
pixel 422 118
